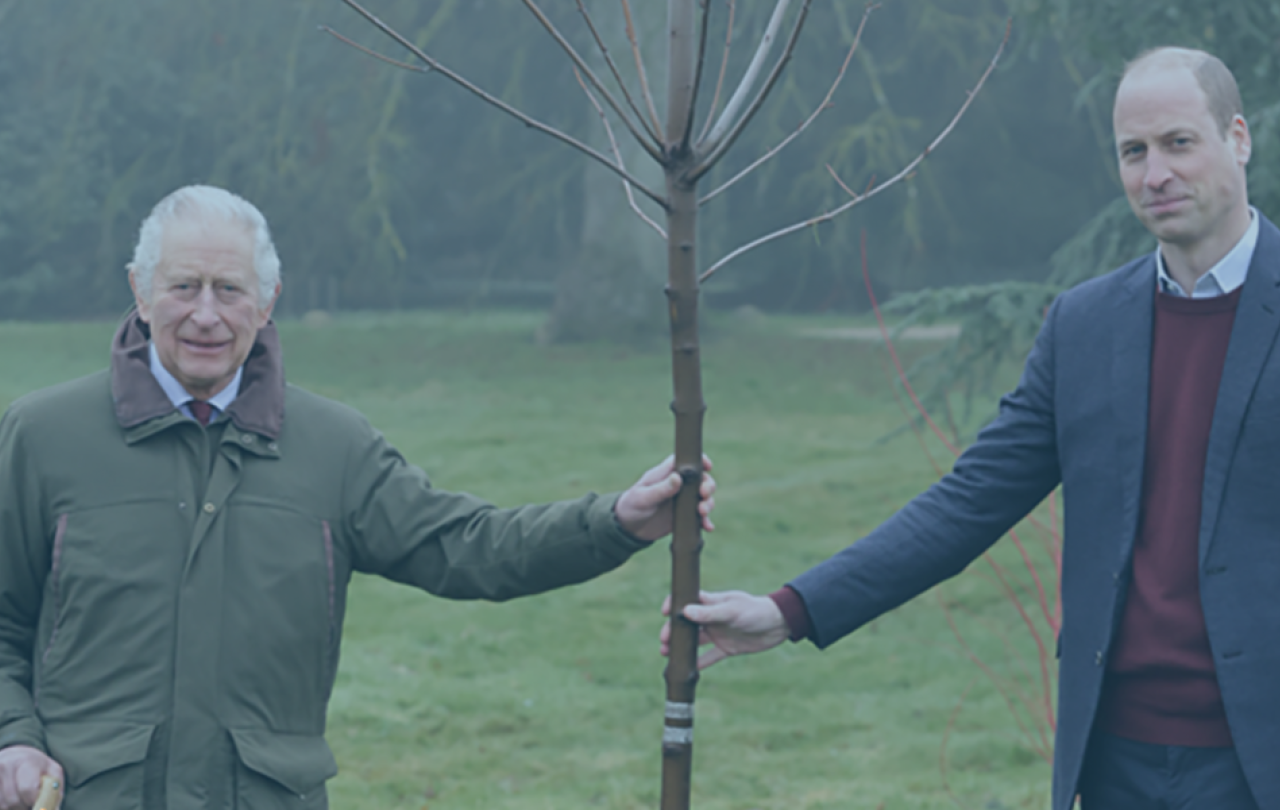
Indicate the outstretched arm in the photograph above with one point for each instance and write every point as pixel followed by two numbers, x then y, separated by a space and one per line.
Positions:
pixel 395 524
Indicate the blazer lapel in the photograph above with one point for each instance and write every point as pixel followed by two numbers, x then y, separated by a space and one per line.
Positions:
pixel 1252 338
pixel 1130 387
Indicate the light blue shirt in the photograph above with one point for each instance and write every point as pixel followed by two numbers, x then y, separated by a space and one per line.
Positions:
pixel 1224 277
pixel 179 396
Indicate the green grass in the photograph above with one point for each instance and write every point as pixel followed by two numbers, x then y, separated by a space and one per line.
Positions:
pixel 555 701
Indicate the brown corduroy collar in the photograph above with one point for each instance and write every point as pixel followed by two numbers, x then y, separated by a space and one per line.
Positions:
pixel 138 397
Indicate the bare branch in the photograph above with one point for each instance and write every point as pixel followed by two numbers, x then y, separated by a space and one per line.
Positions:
pixel 652 147
pixel 613 68
pixel 739 96
pixel 617 153
pixel 371 52
pixel 691 115
pixel 718 150
pixel 640 71
pixel 502 105
pixel 826 104
pixel 724 65
pixel 871 190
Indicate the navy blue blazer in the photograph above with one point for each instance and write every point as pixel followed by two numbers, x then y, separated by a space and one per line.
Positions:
pixel 1079 417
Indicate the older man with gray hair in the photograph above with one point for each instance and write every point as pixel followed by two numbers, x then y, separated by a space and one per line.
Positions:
pixel 177 534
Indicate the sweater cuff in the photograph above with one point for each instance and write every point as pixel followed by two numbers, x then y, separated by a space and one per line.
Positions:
pixel 793 611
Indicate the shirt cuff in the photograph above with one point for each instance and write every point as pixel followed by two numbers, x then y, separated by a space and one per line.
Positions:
pixel 793 611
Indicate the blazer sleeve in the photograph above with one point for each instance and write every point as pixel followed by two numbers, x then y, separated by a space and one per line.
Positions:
pixel 24 561
pixel 998 480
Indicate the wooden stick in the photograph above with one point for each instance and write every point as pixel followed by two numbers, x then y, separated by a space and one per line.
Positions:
pixel 50 797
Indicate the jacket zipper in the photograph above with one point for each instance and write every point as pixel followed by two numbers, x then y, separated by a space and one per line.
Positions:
pixel 55 573
pixel 328 559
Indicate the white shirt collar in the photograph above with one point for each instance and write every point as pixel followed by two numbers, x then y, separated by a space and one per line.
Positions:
pixel 1224 277
pixel 179 396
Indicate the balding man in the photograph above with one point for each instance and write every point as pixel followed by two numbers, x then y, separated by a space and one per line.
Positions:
pixel 1152 396
pixel 177 534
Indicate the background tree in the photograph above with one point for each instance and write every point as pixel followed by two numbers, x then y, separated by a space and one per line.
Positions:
pixel 111 106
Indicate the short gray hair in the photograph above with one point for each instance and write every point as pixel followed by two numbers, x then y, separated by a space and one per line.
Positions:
pixel 211 202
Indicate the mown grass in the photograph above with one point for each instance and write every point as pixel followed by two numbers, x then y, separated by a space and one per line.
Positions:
pixel 555 701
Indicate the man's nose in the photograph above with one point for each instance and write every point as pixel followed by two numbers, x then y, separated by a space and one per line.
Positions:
pixel 1158 171
pixel 206 310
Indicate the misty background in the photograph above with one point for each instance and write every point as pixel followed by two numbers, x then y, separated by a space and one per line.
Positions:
pixel 387 189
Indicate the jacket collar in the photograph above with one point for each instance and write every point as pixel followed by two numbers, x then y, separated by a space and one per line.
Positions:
pixel 138 398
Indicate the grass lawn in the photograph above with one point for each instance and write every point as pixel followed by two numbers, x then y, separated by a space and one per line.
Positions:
pixel 556 701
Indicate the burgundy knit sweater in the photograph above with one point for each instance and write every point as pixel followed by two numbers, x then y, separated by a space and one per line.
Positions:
pixel 1161 686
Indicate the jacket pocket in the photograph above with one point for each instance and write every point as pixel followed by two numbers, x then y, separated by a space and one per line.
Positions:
pixel 103 762
pixel 281 771
pixel 279 615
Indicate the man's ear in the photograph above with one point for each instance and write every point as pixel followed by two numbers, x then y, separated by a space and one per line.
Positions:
pixel 264 314
pixel 143 304
pixel 1241 140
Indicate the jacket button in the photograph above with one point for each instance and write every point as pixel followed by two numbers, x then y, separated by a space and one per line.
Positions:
pixel 1097 659
pixel 247 438
pixel 209 509
pixel 273 447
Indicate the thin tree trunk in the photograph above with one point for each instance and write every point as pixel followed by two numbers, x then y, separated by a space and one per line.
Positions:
pixel 688 406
